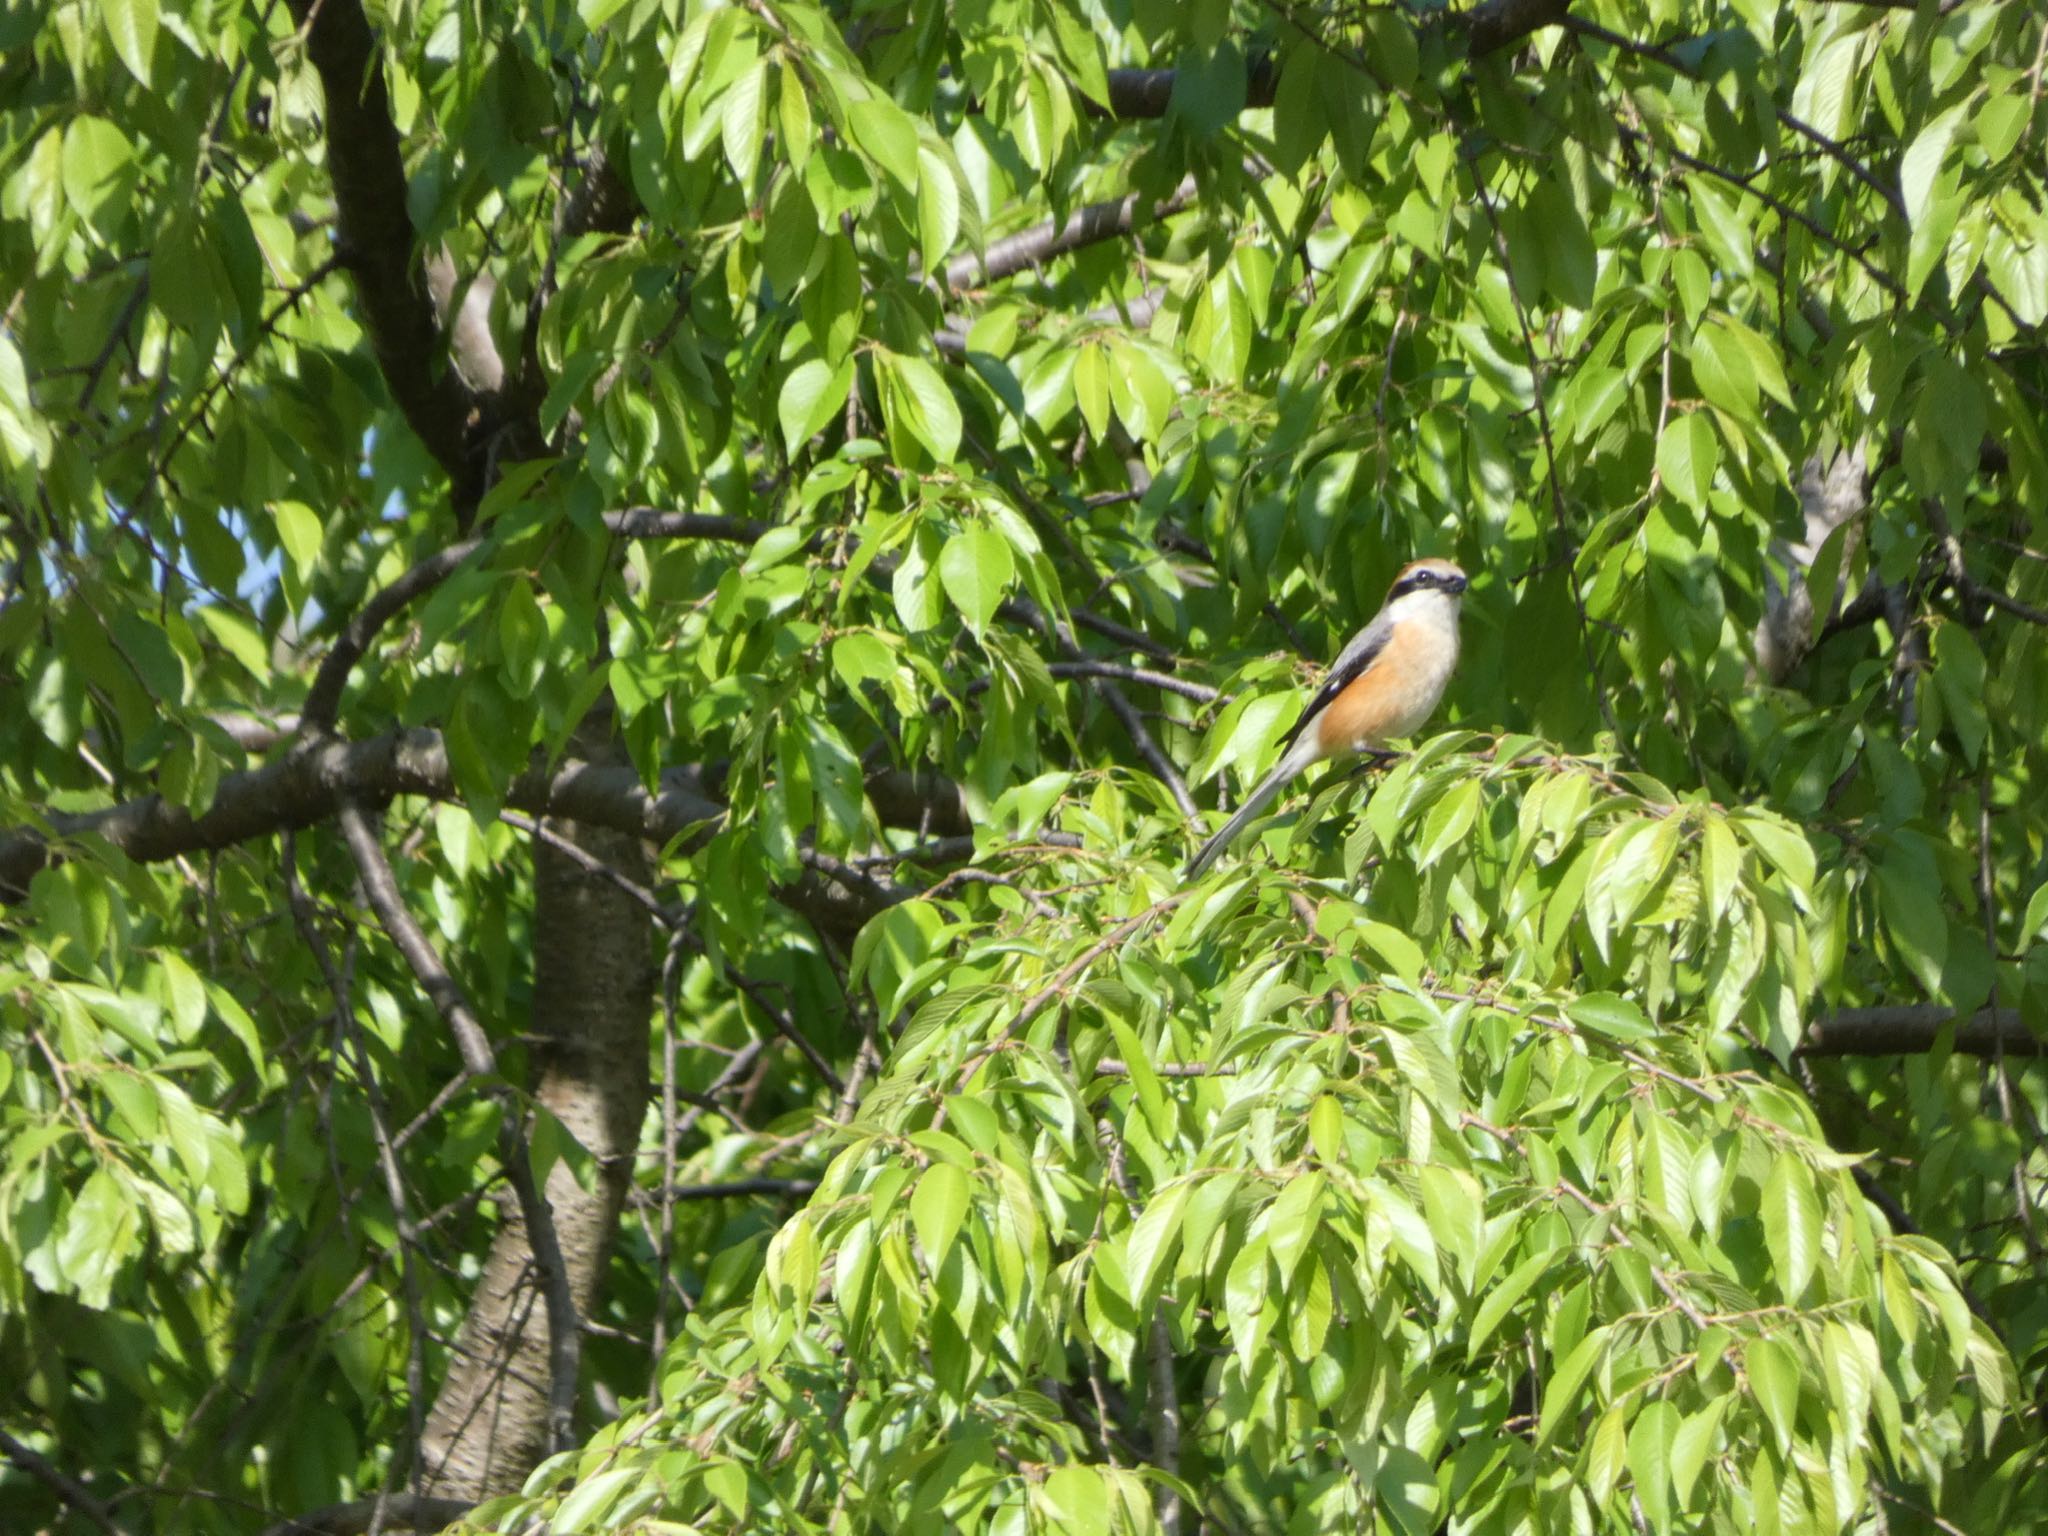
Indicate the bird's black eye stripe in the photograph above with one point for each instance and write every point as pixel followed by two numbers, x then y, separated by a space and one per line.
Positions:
pixel 1413 581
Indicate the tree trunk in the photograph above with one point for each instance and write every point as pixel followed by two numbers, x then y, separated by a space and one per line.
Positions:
pixel 592 1000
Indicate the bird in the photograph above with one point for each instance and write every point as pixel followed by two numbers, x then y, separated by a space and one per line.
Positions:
pixel 1383 685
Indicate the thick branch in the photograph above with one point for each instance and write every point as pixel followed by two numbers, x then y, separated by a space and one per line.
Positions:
pixel 309 783
pixel 1147 93
pixel 471 346
pixel 368 172
pixel 1034 247
pixel 1910 1030
pixel 399 1512
pixel 1502 23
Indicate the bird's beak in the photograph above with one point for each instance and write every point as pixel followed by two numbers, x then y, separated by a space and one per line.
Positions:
pixel 1457 584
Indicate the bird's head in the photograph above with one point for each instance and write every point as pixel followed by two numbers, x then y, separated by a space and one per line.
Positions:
pixel 1426 583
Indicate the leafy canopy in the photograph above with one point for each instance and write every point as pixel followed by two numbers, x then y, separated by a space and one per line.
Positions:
pixel 1439 1161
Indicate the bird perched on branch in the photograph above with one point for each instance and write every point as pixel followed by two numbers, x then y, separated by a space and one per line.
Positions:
pixel 1384 684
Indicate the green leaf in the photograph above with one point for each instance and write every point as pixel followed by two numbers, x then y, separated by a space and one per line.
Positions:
pixel 1607 1453
pixel 1607 1014
pixel 977 570
pixel 1074 1499
pixel 925 404
pixel 1825 94
pixel 238 637
pixel 1503 1298
pixel 1774 1383
pixel 811 396
pixel 1561 1395
pixel 1915 921
pixel 1091 389
pixel 937 1208
pixel 1455 1209
pixel 1691 1447
pixel 742 124
pixel 100 1235
pixel 1782 845
pixel 1687 455
pixel 888 135
pixel 1723 370
pixel 938 209
pixel 793 109
pixel 1959 672
pixel 592 1500
pixel 99 162
pixel 1570 264
pixel 2034 927
pixel 299 530
pixel 131 24
pixel 1650 1441
pixel 862 658
pixel 1921 164
pixel 1154 1237
pixel 1449 821
pixel 920 601
pixel 1792 1225
pixel 1765 363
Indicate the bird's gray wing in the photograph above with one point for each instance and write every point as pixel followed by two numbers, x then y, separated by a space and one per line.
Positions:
pixel 1351 662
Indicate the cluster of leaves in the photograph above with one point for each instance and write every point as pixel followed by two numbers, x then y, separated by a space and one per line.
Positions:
pixel 1481 1194
pixel 1503 1256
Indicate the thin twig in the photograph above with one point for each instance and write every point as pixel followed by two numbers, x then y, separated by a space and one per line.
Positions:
pixel 659 910
pixel 1148 748
pixel 74 1494
pixel 665 1230
pixel 1162 1397
pixel 1111 1066
pixel 1201 693
pixel 1043 998
pixel 736 1188
pixel 1566 547
pixel 565 1340
pixel 306 919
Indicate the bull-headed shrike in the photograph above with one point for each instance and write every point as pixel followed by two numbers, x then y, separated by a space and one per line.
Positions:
pixel 1384 685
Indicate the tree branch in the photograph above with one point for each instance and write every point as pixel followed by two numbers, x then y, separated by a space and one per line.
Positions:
pixel 1110 220
pixel 1502 23
pixel 739 1187
pixel 400 1512
pixel 1201 693
pixel 1148 748
pixel 377 239
pixel 310 782
pixel 323 699
pixel 565 1331
pixel 74 1494
pixel 1148 93
pixel 1911 1029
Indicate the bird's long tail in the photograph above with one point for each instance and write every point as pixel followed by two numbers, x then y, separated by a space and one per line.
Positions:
pixel 1298 757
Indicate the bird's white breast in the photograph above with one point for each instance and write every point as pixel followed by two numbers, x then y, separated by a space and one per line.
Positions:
pixel 1422 661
